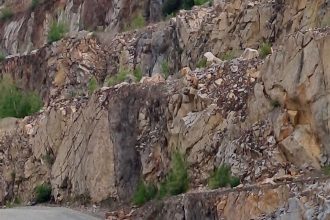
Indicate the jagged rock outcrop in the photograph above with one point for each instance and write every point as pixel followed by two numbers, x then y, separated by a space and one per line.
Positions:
pixel 235 26
pixel 296 200
pixel 302 93
pixel 267 119
pixel 28 28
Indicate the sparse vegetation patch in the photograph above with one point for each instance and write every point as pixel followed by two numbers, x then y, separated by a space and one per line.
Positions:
pixel 138 73
pixel 6 14
pixel 57 31
pixel 16 103
pixel 119 77
pixel 201 63
pixel 136 23
pixel 144 193
pixel 326 170
pixel 265 49
pixel 165 69
pixel 2 57
pixel 92 85
pixel 222 177
pixel 176 181
pixel 43 193
pixel 34 4
pixel 200 2
pixel 229 55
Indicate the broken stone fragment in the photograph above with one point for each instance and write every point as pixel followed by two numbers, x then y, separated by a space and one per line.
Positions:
pixel 249 54
pixel 210 58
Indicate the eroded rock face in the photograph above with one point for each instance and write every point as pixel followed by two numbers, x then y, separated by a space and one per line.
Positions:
pixel 300 91
pixel 233 25
pixel 28 29
pixel 92 148
pixel 297 200
pixel 266 119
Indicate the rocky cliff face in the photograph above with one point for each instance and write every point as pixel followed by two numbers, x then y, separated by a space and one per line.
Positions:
pixel 266 118
pixel 28 29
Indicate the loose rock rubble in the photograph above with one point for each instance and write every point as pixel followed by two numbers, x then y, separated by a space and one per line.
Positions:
pixel 267 119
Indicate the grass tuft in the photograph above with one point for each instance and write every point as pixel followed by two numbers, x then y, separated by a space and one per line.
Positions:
pixel 222 177
pixel 201 63
pixel 177 179
pixel 136 23
pixel 144 193
pixel 2 57
pixel 6 14
pixel 16 103
pixel 229 55
pixel 265 49
pixel 34 4
pixel 57 31
pixel 119 77
pixel 43 193
pixel 92 85
pixel 138 73
pixel 165 69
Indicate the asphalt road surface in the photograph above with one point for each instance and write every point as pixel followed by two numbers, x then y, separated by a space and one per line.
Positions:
pixel 43 213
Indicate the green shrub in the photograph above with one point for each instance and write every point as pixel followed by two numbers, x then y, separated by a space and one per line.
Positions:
pixel 2 57
pixel 13 175
pixel 162 190
pixel 169 16
pixel 171 6
pixel 234 181
pixel 201 63
pixel 34 4
pixel 49 158
pixel 229 55
pixel 82 199
pixel 16 103
pixel 92 85
pixel 326 170
pixel 165 69
pixel 57 31
pixel 6 14
pixel 14 202
pixel 17 201
pixel 119 77
pixel 275 103
pixel 9 204
pixel 176 181
pixel 138 73
pixel 43 193
pixel 222 178
pixel 200 2
pixel 265 49
pixel 144 193
pixel 187 4
pixel 136 23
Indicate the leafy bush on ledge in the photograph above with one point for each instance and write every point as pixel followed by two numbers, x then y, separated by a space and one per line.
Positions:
pixel 15 102
pixel 222 177
pixel 34 4
pixel 171 6
pixel 119 77
pixel 177 179
pixel 57 31
pixel 92 85
pixel 6 14
pixel 43 193
pixel 176 182
pixel 144 193
pixel 2 56
pixel 136 23
pixel 265 49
